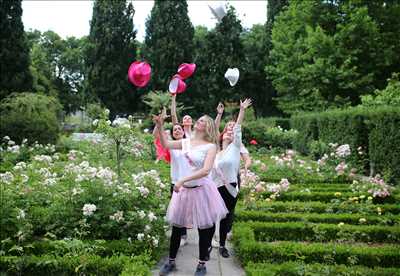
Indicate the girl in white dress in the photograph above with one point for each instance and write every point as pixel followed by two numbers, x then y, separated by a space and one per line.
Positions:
pixel 196 202
pixel 225 174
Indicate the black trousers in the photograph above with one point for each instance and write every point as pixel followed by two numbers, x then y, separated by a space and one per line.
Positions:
pixel 205 236
pixel 225 224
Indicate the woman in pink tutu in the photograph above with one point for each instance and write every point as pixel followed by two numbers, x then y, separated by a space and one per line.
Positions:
pixel 196 202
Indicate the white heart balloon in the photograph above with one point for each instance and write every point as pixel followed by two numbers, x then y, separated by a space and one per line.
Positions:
pixel 232 75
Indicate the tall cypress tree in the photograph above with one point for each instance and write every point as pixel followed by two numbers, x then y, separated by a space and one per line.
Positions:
pixel 14 50
pixel 110 52
pixel 222 49
pixel 168 41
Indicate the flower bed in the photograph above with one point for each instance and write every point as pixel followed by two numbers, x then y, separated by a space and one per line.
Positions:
pixel 90 207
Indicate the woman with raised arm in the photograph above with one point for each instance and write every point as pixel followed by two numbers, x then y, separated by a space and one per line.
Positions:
pixel 225 174
pixel 196 202
pixel 187 121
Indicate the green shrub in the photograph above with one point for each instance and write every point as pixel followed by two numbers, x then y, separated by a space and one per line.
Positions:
pixel 390 95
pixel 75 265
pixel 248 249
pixel 301 269
pixel 306 125
pixel 305 231
pixel 30 116
pixel 375 130
pixel 243 215
pixel 318 148
pixel 320 207
pixel 255 130
pixel 384 143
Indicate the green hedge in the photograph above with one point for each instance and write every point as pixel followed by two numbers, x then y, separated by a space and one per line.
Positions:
pixel 321 189
pixel 324 196
pixel 75 265
pixel 307 126
pixel 259 130
pixel 250 250
pixel 96 247
pixel 242 215
pixel 320 207
pixel 31 116
pixel 301 269
pixel 376 130
pixel 384 143
pixel 300 231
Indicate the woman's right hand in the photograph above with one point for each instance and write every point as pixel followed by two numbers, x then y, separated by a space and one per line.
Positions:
pixel 220 108
pixel 245 104
pixel 158 120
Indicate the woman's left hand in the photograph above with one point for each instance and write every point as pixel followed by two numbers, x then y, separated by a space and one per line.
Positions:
pixel 178 186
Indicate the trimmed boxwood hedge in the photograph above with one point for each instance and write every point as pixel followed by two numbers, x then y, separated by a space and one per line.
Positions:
pixel 96 247
pixel 250 250
pixel 75 265
pixel 300 231
pixel 320 207
pixel 323 196
pixel 301 269
pixel 376 130
pixel 384 142
pixel 243 215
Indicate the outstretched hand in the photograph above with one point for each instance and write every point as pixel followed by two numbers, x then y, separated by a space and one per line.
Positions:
pixel 220 108
pixel 159 119
pixel 164 114
pixel 245 104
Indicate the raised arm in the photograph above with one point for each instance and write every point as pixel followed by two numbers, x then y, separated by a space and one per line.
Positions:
pixel 243 105
pixel 220 111
pixel 159 121
pixel 174 117
pixel 204 171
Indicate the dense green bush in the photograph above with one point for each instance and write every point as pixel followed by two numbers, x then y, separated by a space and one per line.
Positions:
pixel 390 95
pixel 307 127
pixel 30 116
pixel 248 249
pixel 320 207
pixel 384 142
pixel 305 231
pixel 242 215
pixel 373 135
pixel 75 265
pixel 301 269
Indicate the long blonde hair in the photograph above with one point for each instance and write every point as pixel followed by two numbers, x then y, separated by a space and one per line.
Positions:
pixel 211 132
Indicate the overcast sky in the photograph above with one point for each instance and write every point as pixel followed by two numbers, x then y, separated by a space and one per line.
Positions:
pixel 71 18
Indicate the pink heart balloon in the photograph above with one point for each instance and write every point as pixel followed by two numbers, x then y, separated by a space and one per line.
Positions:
pixel 139 73
pixel 185 70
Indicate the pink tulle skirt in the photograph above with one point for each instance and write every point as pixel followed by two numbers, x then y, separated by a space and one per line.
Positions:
pixel 199 207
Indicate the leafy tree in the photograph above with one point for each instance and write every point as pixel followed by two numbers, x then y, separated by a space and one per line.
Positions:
pixel 168 41
pixel 329 53
pixel 388 96
pixel 222 49
pixel 58 67
pixel 254 81
pixel 111 49
pixel 14 51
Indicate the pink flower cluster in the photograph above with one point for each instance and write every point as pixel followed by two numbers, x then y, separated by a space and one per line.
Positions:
pixel 379 188
pixel 341 168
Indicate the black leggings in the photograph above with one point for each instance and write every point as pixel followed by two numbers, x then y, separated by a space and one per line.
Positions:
pixel 225 224
pixel 205 236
